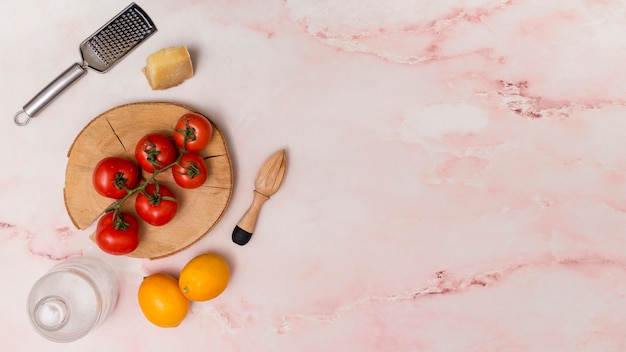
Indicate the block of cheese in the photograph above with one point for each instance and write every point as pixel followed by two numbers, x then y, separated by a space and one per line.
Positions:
pixel 168 67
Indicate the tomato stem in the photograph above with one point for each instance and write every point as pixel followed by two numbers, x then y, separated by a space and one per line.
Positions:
pixel 120 181
pixel 189 132
pixel 119 223
pixel 192 170
pixel 152 153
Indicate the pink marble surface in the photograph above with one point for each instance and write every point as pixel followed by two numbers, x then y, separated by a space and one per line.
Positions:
pixel 456 172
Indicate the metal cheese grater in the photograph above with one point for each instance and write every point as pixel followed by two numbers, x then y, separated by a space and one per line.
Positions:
pixel 100 52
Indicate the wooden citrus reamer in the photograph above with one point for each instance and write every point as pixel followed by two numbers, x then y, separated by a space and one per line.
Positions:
pixel 267 182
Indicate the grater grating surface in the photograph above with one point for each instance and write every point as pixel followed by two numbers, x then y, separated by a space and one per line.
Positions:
pixel 117 38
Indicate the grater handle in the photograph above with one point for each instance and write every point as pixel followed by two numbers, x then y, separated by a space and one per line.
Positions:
pixel 52 90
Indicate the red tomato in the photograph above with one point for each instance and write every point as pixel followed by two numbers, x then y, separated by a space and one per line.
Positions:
pixel 119 236
pixel 196 128
pixel 156 208
pixel 155 150
pixel 113 176
pixel 191 171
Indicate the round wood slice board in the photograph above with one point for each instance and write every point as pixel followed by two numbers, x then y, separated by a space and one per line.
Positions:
pixel 116 133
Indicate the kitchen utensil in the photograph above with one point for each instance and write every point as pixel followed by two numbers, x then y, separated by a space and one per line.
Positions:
pixel 73 298
pixel 267 182
pixel 116 133
pixel 100 52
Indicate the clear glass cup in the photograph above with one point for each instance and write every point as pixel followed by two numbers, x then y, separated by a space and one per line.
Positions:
pixel 73 298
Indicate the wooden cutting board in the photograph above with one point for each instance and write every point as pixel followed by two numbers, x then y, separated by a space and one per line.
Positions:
pixel 116 133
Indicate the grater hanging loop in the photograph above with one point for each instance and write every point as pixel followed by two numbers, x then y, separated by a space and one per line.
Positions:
pixel 18 118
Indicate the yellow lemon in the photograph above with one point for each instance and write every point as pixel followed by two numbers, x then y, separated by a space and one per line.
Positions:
pixel 204 277
pixel 161 301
